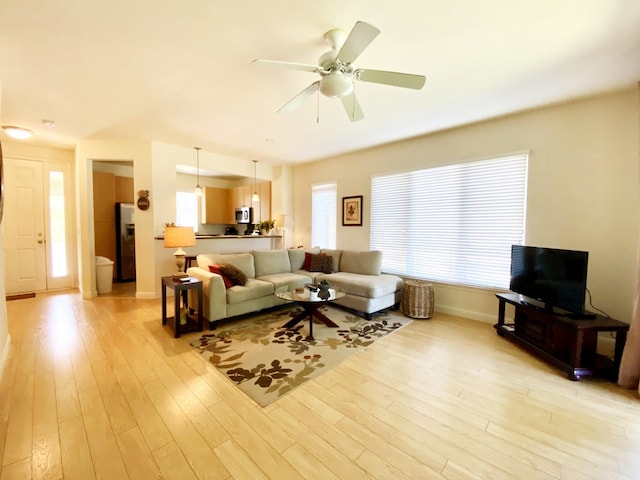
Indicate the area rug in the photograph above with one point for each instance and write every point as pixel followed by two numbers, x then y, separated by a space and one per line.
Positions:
pixel 267 361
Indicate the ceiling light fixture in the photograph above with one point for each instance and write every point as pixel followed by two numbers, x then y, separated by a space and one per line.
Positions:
pixel 255 197
pixel 336 85
pixel 18 133
pixel 198 190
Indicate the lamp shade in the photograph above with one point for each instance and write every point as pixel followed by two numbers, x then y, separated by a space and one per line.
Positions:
pixel 179 237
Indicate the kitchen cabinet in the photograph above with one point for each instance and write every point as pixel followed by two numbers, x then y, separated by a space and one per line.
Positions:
pixel 215 208
pixel 246 197
pixel 241 197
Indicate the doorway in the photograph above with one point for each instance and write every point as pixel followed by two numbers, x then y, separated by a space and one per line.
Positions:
pixel 114 217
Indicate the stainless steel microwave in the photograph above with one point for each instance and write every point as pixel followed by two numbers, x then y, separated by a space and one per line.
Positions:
pixel 244 215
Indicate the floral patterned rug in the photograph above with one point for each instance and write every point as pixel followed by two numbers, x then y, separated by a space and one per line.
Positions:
pixel 267 361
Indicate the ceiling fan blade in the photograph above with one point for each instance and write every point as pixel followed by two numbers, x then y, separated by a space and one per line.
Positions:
pixel 361 35
pixel 406 80
pixel 300 97
pixel 290 65
pixel 352 107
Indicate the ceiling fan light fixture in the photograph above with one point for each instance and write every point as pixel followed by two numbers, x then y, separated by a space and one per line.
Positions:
pixel 17 133
pixel 336 85
pixel 198 189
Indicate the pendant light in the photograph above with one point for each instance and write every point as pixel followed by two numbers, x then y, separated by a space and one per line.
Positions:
pixel 198 190
pixel 255 197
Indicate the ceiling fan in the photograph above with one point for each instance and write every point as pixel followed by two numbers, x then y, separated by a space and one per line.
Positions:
pixel 337 72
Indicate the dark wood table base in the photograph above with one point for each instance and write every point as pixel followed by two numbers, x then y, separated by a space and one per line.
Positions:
pixel 311 310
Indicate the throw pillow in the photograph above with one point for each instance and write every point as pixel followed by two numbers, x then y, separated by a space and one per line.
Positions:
pixel 321 263
pixel 216 269
pixel 234 273
pixel 307 260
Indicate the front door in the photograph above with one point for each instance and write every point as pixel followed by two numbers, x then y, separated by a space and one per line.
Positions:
pixel 24 228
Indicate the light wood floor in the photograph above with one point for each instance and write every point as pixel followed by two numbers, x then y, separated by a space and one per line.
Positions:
pixel 99 389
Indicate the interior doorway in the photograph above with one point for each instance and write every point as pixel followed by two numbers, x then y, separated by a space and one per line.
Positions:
pixel 114 218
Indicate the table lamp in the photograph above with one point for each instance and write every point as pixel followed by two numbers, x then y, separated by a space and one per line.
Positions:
pixel 179 237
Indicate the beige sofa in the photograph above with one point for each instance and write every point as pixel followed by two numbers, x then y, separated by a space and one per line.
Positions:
pixel 356 273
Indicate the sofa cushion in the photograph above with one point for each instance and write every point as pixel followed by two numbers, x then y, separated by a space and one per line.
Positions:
pixel 364 263
pixel 254 289
pixel 244 261
pixel 296 258
pixel 335 255
pixel 234 274
pixel 268 262
pixel 369 286
pixel 321 263
pixel 216 269
pixel 311 275
pixel 285 282
pixel 205 260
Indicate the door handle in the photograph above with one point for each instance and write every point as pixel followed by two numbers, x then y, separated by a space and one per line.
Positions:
pixel 40 241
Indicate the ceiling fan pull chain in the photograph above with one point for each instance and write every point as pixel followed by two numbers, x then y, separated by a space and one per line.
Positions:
pixel 318 107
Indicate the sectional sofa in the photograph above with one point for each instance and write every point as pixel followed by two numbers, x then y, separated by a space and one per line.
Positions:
pixel 267 272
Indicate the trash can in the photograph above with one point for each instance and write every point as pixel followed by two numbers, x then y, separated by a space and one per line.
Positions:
pixel 104 274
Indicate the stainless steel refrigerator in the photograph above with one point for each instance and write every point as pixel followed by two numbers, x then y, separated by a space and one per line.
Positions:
pixel 125 243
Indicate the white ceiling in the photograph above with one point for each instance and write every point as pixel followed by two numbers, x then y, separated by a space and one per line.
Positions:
pixel 181 72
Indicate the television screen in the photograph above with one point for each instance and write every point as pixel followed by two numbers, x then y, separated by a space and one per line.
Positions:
pixel 556 277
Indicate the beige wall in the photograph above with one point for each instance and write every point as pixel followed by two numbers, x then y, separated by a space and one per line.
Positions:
pixel 583 189
pixel 4 329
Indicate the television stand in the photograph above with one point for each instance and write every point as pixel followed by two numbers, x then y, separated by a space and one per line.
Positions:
pixel 569 344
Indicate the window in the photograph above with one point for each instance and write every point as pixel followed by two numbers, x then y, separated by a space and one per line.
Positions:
pixel 187 210
pixel 323 215
pixel 451 224
pixel 57 225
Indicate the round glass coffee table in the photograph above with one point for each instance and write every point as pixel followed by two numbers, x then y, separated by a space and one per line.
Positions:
pixel 310 303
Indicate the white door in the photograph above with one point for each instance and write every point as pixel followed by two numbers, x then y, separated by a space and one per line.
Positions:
pixel 24 229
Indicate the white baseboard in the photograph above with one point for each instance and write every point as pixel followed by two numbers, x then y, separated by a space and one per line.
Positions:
pixel 470 314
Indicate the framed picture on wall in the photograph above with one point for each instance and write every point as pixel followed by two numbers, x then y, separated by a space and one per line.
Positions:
pixel 352 211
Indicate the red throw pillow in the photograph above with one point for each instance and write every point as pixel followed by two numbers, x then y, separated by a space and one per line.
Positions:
pixel 216 269
pixel 308 258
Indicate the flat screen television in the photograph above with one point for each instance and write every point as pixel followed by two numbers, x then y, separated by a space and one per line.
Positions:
pixel 555 277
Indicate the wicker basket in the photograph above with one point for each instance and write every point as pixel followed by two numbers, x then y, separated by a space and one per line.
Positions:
pixel 417 299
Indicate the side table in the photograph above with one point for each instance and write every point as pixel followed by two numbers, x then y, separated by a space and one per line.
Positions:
pixel 180 287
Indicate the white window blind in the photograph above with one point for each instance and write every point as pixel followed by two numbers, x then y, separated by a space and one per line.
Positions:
pixel 323 215
pixel 451 224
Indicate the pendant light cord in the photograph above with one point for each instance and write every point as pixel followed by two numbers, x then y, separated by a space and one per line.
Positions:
pixel 198 187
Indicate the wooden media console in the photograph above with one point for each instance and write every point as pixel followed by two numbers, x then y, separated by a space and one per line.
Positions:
pixel 569 344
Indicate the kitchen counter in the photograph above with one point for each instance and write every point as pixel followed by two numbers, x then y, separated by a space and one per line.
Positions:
pixel 207 237
pixel 223 244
